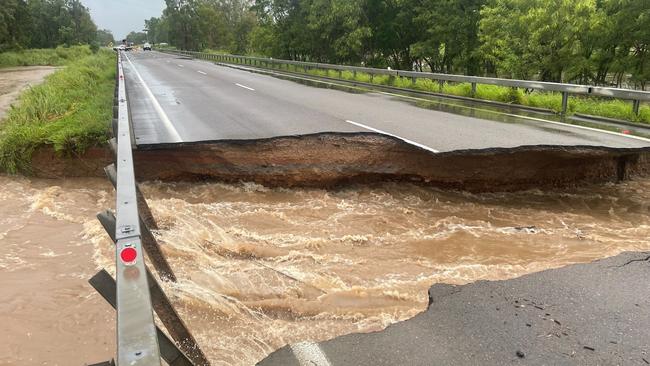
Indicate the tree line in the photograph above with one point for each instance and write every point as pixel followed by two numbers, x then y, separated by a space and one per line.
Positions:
pixel 47 24
pixel 603 42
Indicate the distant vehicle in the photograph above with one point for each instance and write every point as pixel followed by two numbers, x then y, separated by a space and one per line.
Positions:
pixel 122 48
pixel 146 47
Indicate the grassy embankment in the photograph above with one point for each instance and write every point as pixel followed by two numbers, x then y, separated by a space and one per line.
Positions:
pixel 70 111
pixel 618 109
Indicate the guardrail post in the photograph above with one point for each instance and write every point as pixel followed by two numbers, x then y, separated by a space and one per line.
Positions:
pixel 473 90
pixel 636 105
pixel 104 284
pixel 441 85
pixel 565 102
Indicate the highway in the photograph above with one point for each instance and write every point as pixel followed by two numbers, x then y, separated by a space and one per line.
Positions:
pixel 175 99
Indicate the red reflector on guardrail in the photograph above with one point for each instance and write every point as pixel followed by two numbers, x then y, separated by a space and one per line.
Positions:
pixel 128 255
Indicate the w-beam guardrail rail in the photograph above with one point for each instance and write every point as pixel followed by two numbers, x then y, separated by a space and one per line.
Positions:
pixel 636 96
pixel 137 343
pixel 135 293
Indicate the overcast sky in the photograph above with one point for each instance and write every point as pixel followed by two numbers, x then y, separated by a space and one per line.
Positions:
pixel 123 16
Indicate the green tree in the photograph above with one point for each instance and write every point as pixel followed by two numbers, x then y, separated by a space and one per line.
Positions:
pixel 14 24
pixel 450 41
pixel 525 37
pixel 137 37
pixel 105 37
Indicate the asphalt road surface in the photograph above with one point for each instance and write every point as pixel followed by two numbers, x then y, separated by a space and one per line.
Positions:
pixel 176 99
pixel 585 314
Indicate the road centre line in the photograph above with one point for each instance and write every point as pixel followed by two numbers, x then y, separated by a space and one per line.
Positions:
pixel 179 65
pixel 201 72
pixel 161 113
pixel 410 142
pixel 245 87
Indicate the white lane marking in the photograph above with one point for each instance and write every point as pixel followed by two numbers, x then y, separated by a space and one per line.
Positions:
pixel 309 354
pixel 179 65
pixel 526 117
pixel 644 139
pixel 244 86
pixel 398 137
pixel 161 113
pixel 201 72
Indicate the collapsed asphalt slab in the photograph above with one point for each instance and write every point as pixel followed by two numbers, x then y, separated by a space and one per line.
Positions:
pixel 585 314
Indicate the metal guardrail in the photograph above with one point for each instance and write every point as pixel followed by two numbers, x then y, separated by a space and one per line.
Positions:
pixel 137 342
pixel 636 96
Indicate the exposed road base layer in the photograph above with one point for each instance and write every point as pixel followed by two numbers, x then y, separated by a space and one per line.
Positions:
pixel 587 314
pixel 48 164
pixel 331 159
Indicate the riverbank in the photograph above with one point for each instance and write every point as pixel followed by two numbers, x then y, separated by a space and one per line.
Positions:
pixel 69 112
pixel 14 80
pixel 585 314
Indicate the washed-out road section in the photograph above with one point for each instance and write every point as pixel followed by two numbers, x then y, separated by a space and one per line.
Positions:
pixel 175 99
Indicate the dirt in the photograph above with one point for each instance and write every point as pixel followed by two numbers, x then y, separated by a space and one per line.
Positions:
pixel 48 164
pixel 16 79
pixel 335 159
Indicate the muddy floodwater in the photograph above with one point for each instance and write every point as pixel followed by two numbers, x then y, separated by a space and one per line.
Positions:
pixel 259 268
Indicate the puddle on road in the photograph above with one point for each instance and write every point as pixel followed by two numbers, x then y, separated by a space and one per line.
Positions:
pixel 260 267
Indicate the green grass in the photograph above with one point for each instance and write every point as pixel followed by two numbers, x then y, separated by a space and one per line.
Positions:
pixel 59 56
pixel 70 111
pixel 619 109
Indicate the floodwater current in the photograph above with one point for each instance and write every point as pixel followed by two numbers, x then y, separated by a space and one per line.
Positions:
pixel 259 268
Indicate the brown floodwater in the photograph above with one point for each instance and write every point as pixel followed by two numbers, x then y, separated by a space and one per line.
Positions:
pixel 259 268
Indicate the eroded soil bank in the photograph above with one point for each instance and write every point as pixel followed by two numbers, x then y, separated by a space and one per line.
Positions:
pixel 333 160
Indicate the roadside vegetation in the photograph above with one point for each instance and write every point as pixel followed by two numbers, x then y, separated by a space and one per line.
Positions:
pixel 59 56
pixel 589 42
pixel 596 42
pixel 70 111
pixel 603 107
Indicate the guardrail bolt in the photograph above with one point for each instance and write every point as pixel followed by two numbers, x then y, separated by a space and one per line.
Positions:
pixel 126 229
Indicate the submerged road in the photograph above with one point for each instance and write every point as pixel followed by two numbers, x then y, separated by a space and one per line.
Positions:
pixel 175 99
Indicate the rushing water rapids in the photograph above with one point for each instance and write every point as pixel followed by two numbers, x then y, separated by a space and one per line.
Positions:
pixel 259 268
